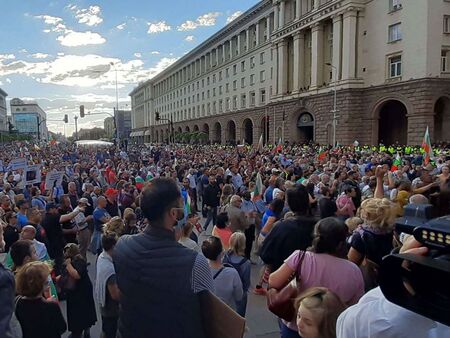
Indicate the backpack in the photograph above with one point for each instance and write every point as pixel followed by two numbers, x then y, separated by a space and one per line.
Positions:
pixel 236 266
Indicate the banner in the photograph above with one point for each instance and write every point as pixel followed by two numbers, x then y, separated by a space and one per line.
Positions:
pixel 33 174
pixel 52 177
pixel 17 163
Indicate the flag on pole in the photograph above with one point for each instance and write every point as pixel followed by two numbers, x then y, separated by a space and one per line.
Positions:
pixel 397 162
pixel 427 149
pixel 322 154
pixel 260 143
pixel 279 147
pixel 257 192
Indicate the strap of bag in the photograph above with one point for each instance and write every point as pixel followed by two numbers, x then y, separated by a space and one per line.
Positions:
pixel 295 274
pixel 218 272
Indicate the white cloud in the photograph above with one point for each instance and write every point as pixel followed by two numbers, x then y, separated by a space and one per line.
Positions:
pixel 90 16
pixel 189 38
pixel 75 39
pixel 208 19
pixel 96 98
pixel 155 52
pixel 40 55
pixel 23 50
pixel 69 37
pixel 7 57
pixel 158 27
pixel 234 16
pixel 138 55
pixel 8 80
pixel 121 26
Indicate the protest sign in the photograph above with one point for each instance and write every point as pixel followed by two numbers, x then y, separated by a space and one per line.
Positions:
pixel 32 174
pixel 52 177
pixel 17 163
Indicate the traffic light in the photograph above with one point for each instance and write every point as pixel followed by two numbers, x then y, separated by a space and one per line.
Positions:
pixel 82 111
pixel 66 118
pixel 157 117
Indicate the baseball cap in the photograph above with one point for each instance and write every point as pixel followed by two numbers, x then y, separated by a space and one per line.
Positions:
pixel 84 200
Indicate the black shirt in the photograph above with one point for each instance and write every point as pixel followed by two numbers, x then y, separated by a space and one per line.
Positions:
pixel 327 208
pixel 211 195
pixel 10 235
pixel 371 245
pixel 54 234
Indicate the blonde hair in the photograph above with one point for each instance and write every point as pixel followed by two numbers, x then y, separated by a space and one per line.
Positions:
pixel 237 243
pixel 378 213
pixel 115 225
pixel 31 278
pixel 324 304
pixel 353 222
pixel 127 212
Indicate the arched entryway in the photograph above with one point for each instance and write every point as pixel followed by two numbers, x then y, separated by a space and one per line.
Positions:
pixel 187 129
pixel 265 129
pixel 305 127
pixel 217 136
pixel 393 123
pixel 442 120
pixel 231 132
pixel 205 129
pixel 196 128
pixel 247 127
pixel 180 130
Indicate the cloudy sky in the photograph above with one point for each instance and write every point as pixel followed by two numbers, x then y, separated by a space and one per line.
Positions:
pixel 66 53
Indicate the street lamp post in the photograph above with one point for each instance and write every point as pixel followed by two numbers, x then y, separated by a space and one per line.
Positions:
pixel 334 111
pixel 116 112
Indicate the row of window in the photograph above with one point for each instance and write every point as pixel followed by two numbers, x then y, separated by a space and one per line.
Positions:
pixel 395 64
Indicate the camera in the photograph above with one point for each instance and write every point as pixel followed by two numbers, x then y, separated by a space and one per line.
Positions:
pixel 420 283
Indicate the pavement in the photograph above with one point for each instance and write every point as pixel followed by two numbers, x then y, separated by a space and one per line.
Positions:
pixel 260 322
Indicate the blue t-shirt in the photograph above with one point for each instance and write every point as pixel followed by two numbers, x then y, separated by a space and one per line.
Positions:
pixel 267 214
pixel 98 214
pixel 268 195
pixel 22 220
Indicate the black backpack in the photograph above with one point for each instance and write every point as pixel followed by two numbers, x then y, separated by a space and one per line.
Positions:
pixel 236 266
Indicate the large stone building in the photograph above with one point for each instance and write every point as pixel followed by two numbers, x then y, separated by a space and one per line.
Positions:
pixel 273 71
pixel 29 118
pixel 109 127
pixel 3 110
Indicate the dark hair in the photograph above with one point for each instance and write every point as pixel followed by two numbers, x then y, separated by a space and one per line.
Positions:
pixel 21 202
pixel 325 190
pixel 33 191
pixel 10 215
pixel 348 188
pixel 277 206
pixel 329 234
pixel 109 240
pixel 19 251
pixel 222 220
pixel 212 248
pixel 158 197
pixel 298 199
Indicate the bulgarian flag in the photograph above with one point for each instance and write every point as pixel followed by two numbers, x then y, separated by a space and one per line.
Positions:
pixel 322 154
pixel 396 163
pixel 257 193
pixel 279 147
pixel 426 147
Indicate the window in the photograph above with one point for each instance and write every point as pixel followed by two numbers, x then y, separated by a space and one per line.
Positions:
pixel 252 62
pixel 243 66
pixel 262 76
pixel 214 78
pixel 445 61
pixel 395 5
pixel 207 94
pixel 235 102
pixel 243 82
pixel 227 104
pixel 234 69
pixel 220 106
pixel 395 33
pixel 252 99
pixel 262 96
pixel 227 87
pixel 243 100
pixel 220 90
pixel 234 84
pixel 220 76
pixel 252 79
pixel 214 92
pixel 227 73
pixel 395 66
pixel 207 81
pixel 447 24
pixel 262 58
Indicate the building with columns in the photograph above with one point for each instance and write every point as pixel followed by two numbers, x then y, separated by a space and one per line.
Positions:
pixel 275 69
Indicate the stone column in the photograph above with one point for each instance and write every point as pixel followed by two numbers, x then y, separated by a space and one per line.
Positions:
pixel 238 44
pixel 298 9
pixel 337 41
pixel 299 60
pixel 257 34
pixel 276 16
pixel 217 56
pixel 349 45
pixel 317 55
pixel 224 49
pixel 268 21
pixel 282 18
pixel 275 69
pixel 247 39
pixel 282 64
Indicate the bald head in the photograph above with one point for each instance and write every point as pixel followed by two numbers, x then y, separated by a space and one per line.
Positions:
pixel 418 199
pixel 28 233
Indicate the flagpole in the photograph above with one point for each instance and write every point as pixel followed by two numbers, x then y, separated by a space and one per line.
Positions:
pixel 266 127
pixel 274 129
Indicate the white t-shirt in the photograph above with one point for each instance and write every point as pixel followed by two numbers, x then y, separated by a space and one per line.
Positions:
pixel 375 317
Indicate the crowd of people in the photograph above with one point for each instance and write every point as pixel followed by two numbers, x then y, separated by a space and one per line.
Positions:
pixel 167 223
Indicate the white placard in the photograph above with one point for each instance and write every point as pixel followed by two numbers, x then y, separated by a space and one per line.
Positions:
pixel 18 163
pixel 32 174
pixel 52 177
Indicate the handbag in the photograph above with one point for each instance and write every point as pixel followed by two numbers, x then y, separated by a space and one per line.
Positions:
pixel 281 302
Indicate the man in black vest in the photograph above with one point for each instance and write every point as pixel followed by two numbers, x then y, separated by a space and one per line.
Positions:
pixel 159 279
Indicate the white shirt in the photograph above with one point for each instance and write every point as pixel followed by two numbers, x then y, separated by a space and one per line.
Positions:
pixel 192 183
pixel 375 317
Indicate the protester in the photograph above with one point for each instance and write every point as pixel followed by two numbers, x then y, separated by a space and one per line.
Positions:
pixel 227 282
pixel 7 289
pixel 185 237
pixel 222 230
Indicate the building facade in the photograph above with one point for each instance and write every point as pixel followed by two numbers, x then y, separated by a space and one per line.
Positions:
pixel 109 127
pixel 274 72
pixel 123 118
pixel 3 111
pixel 91 134
pixel 29 118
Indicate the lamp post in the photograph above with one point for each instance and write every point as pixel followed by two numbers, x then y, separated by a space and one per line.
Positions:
pixel 334 111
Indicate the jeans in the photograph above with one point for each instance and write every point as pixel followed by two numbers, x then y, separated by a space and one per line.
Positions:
pixel 109 327
pixel 241 306
pixel 287 332
pixel 211 216
pixel 249 238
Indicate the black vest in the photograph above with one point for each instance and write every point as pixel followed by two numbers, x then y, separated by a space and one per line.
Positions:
pixel 154 275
